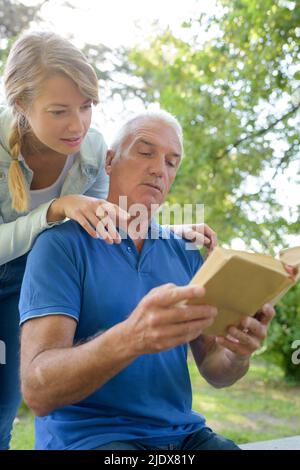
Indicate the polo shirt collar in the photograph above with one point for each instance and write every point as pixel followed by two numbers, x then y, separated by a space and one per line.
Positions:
pixel 155 231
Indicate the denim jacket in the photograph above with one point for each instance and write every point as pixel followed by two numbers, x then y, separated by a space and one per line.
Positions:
pixel 86 176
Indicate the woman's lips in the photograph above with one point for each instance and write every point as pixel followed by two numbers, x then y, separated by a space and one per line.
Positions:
pixel 74 142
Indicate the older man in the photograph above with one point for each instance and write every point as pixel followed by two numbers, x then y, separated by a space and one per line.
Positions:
pixel 105 331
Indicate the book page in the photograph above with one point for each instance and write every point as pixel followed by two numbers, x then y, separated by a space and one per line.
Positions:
pixel 291 256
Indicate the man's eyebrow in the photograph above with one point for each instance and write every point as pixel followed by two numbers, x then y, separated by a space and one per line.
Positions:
pixel 67 105
pixel 146 142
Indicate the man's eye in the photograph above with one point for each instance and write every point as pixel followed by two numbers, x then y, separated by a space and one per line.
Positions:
pixel 146 154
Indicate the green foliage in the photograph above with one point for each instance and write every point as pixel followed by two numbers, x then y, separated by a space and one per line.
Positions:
pixel 284 332
pixel 15 18
pixel 235 95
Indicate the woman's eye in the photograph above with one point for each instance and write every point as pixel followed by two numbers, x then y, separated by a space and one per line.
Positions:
pixel 171 164
pixel 146 154
pixel 87 106
pixel 57 113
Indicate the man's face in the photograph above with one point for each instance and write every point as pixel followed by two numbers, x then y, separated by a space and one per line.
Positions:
pixel 148 164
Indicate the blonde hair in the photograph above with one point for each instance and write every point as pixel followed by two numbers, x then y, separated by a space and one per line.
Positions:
pixel 33 58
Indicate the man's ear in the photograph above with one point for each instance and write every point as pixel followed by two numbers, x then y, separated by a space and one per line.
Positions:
pixel 109 158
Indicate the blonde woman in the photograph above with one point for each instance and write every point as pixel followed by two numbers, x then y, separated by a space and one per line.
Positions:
pixel 51 168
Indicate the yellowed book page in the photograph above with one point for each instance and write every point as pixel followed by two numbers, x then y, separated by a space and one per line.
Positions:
pixel 291 256
pixel 265 260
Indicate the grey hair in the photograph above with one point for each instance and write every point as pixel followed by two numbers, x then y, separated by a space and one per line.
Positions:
pixel 149 115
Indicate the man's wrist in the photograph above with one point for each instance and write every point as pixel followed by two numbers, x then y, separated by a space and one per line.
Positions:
pixel 125 349
pixel 128 338
pixel 238 359
pixel 242 359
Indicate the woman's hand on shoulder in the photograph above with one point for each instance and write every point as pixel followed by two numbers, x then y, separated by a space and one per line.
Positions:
pixel 200 234
pixel 97 216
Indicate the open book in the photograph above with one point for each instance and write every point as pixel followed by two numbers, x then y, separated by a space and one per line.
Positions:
pixel 240 283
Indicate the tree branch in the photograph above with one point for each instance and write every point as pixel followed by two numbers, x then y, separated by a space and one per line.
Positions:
pixel 260 132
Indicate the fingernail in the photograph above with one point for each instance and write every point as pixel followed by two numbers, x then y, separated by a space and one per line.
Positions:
pixel 231 338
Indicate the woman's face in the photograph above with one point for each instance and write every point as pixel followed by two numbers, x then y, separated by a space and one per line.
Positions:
pixel 61 116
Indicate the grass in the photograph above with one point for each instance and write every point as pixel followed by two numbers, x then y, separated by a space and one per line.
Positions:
pixel 258 407
pixel 23 432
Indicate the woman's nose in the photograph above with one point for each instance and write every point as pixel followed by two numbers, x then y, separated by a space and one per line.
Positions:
pixel 76 123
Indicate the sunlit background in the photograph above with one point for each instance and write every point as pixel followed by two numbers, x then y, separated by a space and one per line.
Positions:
pixel 211 63
pixel 116 23
pixel 119 23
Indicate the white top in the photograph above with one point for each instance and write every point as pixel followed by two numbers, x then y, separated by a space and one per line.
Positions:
pixel 19 231
pixel 40 196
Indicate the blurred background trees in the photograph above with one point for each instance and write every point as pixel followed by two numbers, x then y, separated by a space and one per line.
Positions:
pixel 237 95
pixel 14 18
pixel 233 80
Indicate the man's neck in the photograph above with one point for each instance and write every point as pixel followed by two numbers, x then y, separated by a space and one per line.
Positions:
pixel 138 231
pixel 136 227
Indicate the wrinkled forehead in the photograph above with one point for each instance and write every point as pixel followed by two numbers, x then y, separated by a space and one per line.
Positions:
pixel 156 132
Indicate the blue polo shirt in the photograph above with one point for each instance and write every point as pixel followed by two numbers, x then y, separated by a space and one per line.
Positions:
pixel 99 285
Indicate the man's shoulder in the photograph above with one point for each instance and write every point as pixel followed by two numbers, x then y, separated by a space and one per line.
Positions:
pixel 181 247
pixel 175 240
pixel 66 234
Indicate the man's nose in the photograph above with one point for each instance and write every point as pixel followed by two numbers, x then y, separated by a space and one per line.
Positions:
pixel 157 166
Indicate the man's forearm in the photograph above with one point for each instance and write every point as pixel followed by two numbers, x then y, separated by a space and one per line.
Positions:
pixel 219 366
pixel 59 377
